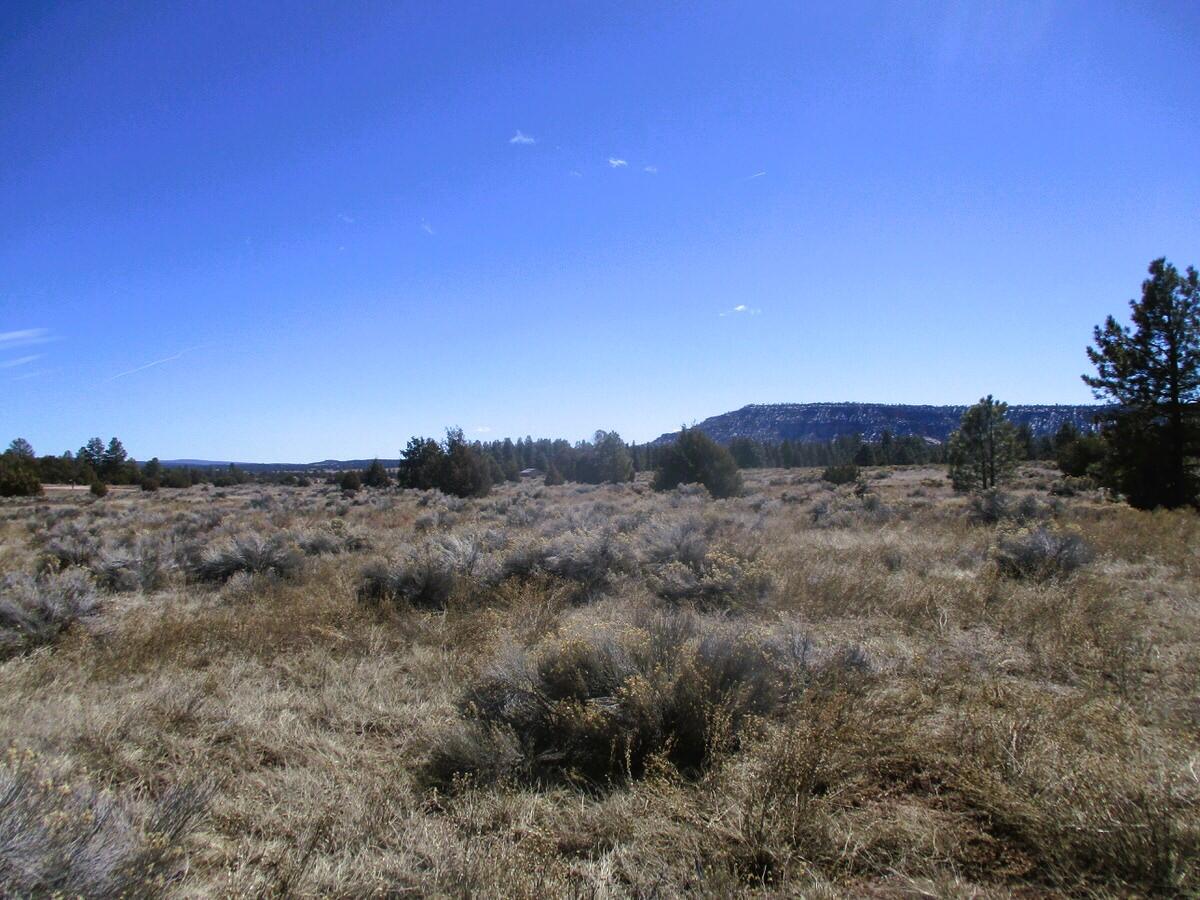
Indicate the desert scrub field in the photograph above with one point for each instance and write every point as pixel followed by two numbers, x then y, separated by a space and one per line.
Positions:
pixel 873 689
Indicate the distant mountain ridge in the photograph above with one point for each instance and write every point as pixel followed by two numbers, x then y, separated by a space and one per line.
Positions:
pixel 775 422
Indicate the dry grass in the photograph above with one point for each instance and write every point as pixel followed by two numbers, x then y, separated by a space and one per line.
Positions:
pixel 876 689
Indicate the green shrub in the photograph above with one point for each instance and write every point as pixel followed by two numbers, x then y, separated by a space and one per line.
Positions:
pixel 99 489
pixel 840 474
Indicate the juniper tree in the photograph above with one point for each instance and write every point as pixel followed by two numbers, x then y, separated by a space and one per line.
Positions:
pixel 1152 373
pixel 695 457
pixel 984 450
pixel 376 475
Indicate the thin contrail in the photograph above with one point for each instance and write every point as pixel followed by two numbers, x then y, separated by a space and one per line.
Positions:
pixel 158 362
pixel 149 365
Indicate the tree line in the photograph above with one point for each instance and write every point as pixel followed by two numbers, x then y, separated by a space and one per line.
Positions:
pixel 1144 449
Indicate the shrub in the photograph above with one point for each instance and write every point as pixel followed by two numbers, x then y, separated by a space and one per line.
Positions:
pixel 1070 485
pixel 681 565
pixel 141 566
pixel 424 577
pixel 59 839
pixel 335 538
pixel 590 557
pixel 99 489
pixel 249 553
pixel 695 458
pixel 993 506
pixel 721 579
pixel 840 474
pixel 350 481
pixel 553 476
pixel 595 703
pixel 1041 554
pixel 69 545
pixel 681 540
pixel 35 612
pixel 151 484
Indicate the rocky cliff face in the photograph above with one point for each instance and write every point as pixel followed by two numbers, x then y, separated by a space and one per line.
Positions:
pixel 774 422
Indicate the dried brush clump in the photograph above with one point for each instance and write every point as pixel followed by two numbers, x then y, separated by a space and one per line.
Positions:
pixel 994 506
pixel 1040 554
pixel 334 538
pixel 36 611
pixel 252 553
pixel 142 564
pixel 428 575
pixel 594 703
pixel 681 564
pixel 591 558
pixel 420 576
pixel 844 510
pixel 64 839
pixel 69 544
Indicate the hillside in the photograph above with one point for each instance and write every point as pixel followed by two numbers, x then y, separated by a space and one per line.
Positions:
pixel 774 422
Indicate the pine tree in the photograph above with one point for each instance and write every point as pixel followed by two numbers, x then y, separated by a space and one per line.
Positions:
pixel 983 452
pixel 1152 373
pixel 112 461
pixel 92 453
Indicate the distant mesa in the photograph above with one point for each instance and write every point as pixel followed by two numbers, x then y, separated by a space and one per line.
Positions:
pixel 820 422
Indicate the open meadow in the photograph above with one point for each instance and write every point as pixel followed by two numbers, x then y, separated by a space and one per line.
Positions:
pixel 875 689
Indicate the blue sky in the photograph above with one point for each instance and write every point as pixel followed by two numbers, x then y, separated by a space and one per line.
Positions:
pixel 294 231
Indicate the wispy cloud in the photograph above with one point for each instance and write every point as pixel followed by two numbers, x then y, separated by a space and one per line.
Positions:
pixel 20 361
pixel 427 228
pixel 575 173
pixel 23 338
pixel 741 310
pixel 755 175
pixel 652 170
pixel 483 429
pixel 349 220
pixel 522 138
pixel 617 163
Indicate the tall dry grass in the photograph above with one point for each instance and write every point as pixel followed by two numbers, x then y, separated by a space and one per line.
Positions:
pixel 816 690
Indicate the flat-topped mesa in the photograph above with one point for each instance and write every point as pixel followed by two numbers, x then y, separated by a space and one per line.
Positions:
pixel 775 422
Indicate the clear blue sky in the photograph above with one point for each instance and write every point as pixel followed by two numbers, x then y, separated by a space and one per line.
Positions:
pixel 292 231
